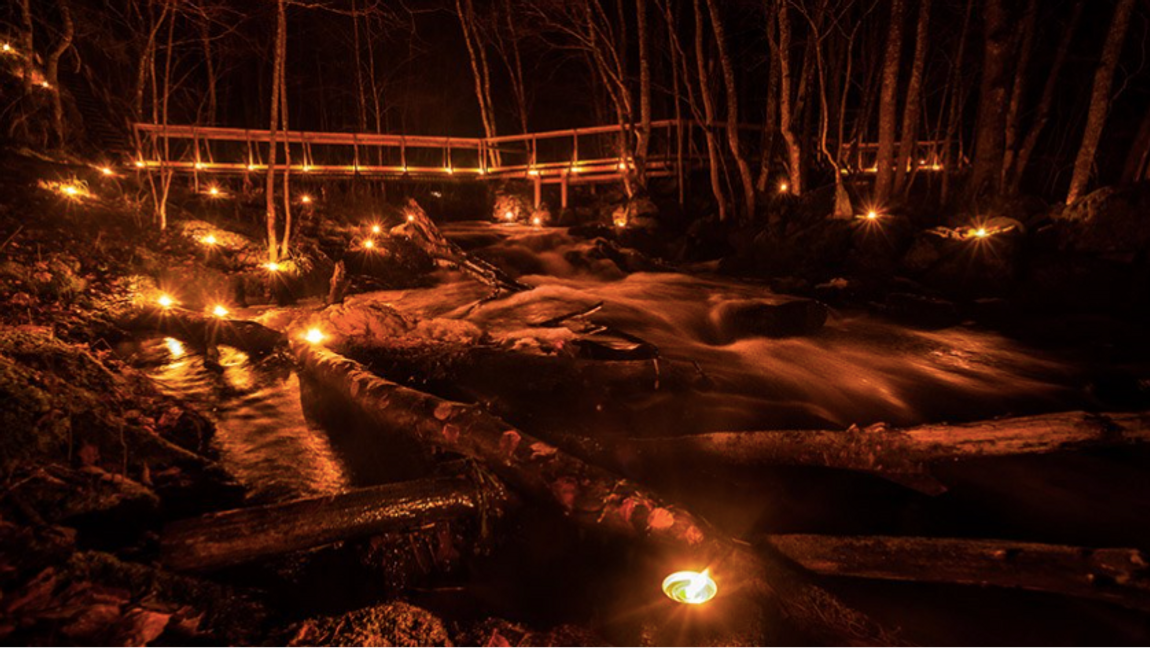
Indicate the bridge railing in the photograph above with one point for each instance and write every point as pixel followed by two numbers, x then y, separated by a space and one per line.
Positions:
pixel 575 155
pixel 595 154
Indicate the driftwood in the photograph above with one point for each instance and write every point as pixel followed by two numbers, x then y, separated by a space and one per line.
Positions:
pixel 338 284
pixel 904 456
pixel 235 537
pixel 198 328
pixel 1120 576
pixel 490 370
pixel 592 497
pixel 418 228
pixel 582 312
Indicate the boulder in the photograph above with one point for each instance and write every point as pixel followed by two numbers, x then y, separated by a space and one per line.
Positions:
pixel 513 203
pixel 1108 221
pixel 965 267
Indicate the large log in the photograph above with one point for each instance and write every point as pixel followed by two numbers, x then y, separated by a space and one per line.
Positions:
pixel 1120 576
pixel 904 455
pixel 592 497
pixel 419 228
pixel 205 330
pixel 243 535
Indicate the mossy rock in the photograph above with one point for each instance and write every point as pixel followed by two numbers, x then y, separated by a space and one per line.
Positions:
pixel 63 405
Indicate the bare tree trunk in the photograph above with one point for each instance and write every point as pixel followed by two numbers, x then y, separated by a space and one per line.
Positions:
pixel 479 70
pixel 210 69
pixel 515 70
pixel 770 122
pixel 676 97
pixel 146 56
pixel 281 57
pixel 377 109
pixel 842 208
pixel 28 43
pixel 1042 113
pixel 708 113
pixel 913 109
pixel 728 69
pixel 276 100
pixel 957 102
pixel 361 101
pixel 989 135
pixel 1017 93
pixel 644 140
pixel 786 126
pixel 888 106
pixel 1100 99
pixel 52 69
pixel 166 175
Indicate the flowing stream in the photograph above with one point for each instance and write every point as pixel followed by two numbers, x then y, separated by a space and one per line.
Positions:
pixel 857 370
pixel 283 442
pixel 262 437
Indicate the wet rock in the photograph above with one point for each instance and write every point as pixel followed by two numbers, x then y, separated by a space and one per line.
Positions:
pixel 927 312
pixel 514 202
pixel 877 246
pixel 1109 220
pixel 366 319
pixel 370 323
pixel 964 267
pixel 389 624
pixel 816 249
pixel 738 319
pixel 66 408
pixel 640 212
pixel 541 215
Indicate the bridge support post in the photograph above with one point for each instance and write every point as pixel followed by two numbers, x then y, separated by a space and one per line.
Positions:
pixel 563 191
pixel 538 191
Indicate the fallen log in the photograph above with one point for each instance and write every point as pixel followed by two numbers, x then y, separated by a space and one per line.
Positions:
pixel 419 228
pixel 206 330
pixel 1119 576
pixel 243 535
pixel 590 496
pixel 492 371
pixel 904 456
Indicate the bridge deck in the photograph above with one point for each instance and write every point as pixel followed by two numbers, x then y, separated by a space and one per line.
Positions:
pixel 572 156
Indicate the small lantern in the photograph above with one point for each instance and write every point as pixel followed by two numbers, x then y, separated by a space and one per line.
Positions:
pixel 690 587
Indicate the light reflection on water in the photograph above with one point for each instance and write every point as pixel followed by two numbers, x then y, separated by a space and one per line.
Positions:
pixel 262 436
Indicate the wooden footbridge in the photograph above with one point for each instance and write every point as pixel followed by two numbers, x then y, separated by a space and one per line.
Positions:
pixel 563 157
